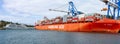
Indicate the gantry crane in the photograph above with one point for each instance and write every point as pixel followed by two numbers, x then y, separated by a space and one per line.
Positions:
pixel 71 10
pixel 113 8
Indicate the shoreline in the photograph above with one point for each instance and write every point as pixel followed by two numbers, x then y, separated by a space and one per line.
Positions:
pixel 1 28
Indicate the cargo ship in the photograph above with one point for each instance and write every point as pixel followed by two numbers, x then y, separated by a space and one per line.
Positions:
pixel 77 21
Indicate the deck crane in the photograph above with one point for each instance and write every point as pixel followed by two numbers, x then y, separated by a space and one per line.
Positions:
pixel 113 8
pixel 71 10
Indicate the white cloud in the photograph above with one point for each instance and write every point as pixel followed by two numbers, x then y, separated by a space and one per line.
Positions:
pixel 27 10
pixel 25 20
pixel 37 7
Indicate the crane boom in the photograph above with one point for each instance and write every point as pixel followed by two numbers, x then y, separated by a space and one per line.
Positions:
pixel 59 10
pixel 107 2
pixel 71 10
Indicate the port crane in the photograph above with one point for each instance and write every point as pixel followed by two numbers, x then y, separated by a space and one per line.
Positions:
pixel 71 10
pixel 113 8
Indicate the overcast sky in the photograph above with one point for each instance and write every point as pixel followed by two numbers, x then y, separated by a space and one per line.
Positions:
pixel 29 11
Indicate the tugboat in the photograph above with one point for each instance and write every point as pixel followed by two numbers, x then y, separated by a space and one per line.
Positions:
pixel 77 21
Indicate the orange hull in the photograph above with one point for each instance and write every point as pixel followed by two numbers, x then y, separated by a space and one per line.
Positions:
pixel 105 25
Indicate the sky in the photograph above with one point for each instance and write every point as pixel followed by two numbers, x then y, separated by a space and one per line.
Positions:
pixel 29 11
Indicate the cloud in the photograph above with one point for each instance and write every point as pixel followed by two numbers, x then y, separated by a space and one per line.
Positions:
pixel 28 11
pixel 24 20
pixel 36 7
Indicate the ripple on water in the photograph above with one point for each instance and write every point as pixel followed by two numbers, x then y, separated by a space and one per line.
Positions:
pixel 33 36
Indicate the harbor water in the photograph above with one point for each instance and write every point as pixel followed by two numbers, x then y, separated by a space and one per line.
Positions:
pixel 33 36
